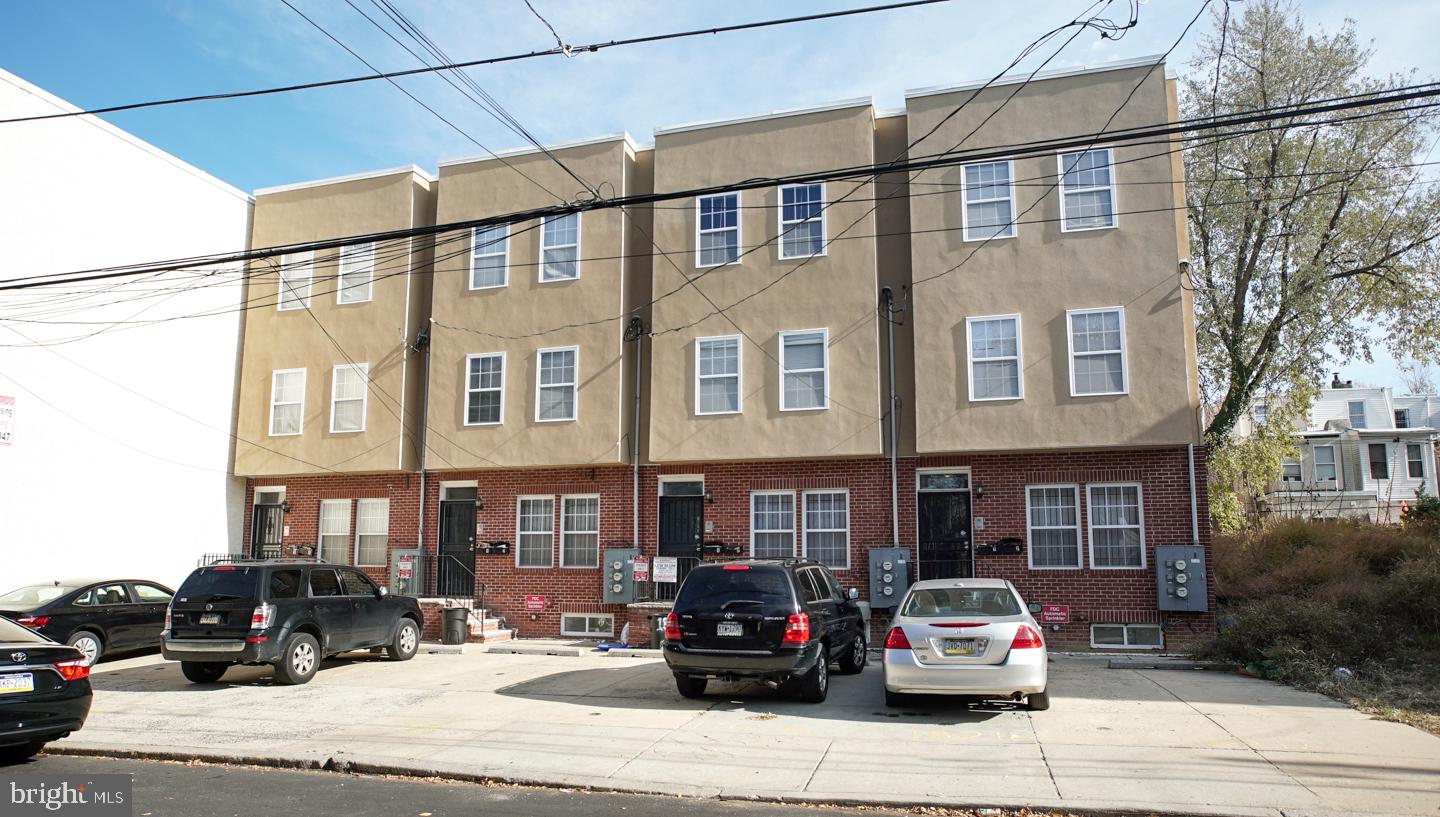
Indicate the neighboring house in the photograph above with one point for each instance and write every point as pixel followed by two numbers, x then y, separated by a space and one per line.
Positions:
pixel 120 459
pixel 489 400
pixel 1364 452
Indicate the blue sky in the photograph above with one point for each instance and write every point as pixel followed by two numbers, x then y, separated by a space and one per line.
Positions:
pixel 98 52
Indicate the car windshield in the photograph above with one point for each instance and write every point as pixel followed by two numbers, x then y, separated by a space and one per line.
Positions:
pixel 969 601
pixel 12 633
pixel 34 595
pixel 713 587
pixel 219 584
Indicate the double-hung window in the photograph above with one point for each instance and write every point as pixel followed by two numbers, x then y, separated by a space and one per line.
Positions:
pixel 1379 461
pixel 560 247
pixel 802 220
pixel 772 525
pixel 1054 515
pixel 335 530
pixel 1356 411
pixel 1087 190
pixel 489 256
pixel 1415 460
pixel 555 386
pixel 347 397
pixel 827 528
pixel 485 389
pixel 1117 534
pixel 1325 470
pixel 580 531
pixel 1290 471
pixel 296 271
pixel 717 224
pixel 994 344
pixel 717 375
pixel 1097 351
pixel 1259 413
pixel 287 402
pixel 535 531
pixel 1402 418
pixel 988 196
pixel 372 532
pixel 357 273
pixel 804 370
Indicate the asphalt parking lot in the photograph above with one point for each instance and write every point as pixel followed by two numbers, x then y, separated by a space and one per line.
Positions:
pixel 1192 742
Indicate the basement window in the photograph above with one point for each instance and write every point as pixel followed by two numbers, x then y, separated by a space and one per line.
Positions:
pixel 1126 636
pixel 587 625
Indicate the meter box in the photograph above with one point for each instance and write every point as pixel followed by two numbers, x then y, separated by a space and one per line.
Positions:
pixel 619 575
pixel 1180 574
pixel 889 576
pixel 407 571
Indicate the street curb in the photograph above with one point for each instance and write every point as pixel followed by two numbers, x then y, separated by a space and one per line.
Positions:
pixel 567 652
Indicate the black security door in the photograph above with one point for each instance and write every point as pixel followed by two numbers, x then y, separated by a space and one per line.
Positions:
pixel 267 526
pixel 455 570
pixel 682 519
pixel 945 536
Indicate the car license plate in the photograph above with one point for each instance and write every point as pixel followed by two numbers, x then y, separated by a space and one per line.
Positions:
pixel 962 646
pixel 209 618
pixel 731 628
pixel 24 682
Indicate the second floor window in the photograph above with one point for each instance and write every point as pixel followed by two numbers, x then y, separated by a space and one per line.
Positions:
pixel 1415 460
pixel 287 402
pixel 1379 461
pixel 989 201
pixel 484 389
pixel 296 270
pixel 772 525
pixel 804 370
pixel 717 230
pixel 995 358
pixel 1087 191
pixel 489 256
pixel 1290 471
pixel 560 247
pixel 1097 352
pixel 555 386
pixel 1402 418
pixel 357 273
pixel 347 397
pixel 802 220
pixel 1325 470
pixel 717 375
pixel 1356 411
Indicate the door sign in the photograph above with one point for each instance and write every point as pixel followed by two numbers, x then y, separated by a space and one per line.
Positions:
pixel 667 569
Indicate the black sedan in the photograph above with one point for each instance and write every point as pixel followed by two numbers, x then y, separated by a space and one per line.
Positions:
pixel 93 615
pixel 44 691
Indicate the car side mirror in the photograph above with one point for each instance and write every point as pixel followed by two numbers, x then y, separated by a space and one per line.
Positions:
pixel 382 592
pixel 854 593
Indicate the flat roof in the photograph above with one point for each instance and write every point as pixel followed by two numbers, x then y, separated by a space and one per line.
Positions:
pixel 353 177
pixel 512 152
pixel 715 123
pixel 1016 79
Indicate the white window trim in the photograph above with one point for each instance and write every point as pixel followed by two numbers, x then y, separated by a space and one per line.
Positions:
pixel 805 525
pixel 965 203
pixel 574 385
pixel 304 377
pixel 825 368
pixel 1421 447
pixel 1124 350
pixel 1299 467
pixel 1350 415
pixel 739 374
pixel 1114 198
pixel 465 406
pixel 1334 463
pixel 1090 525
pixel 564 531
pixel 970 357
pixel 550 563
pixel 366 248
pixel 750 522
pixel 268 489
pixel 290 262
pixel 660 482
pixel 579 236
pixel 784 225
pixel 1127 645
pixel 320 524
pixel 364 369
pixel 504 252
pixel 1074 488
pixel 579 634
pixel 739 228
pixel 355 558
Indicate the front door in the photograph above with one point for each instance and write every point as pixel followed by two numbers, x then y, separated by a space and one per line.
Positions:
pixel 682 521
pixel 267 528
pixel 455 570
pixel 945 546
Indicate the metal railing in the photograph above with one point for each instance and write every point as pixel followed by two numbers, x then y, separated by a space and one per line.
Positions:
pixel 207 559
pixel 653 590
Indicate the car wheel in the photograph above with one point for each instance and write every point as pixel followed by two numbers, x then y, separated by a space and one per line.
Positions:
pixel 21 753
pixel 896 699
pixel 1037 701
pixel 406 643
pixel 690 687
pixel 815 684
pixel 853 662
pixel 299 660
pixel 203 672
pixel 88 643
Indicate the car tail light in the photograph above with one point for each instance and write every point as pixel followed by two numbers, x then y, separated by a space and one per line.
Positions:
pixel 797 629
pixel 223 567
pixel 1026 639
pixel 35 622
pixel 263 617
pixel 72 670
pixel 672 627
pixel 736 567
pixel 896 640
pixel 167 618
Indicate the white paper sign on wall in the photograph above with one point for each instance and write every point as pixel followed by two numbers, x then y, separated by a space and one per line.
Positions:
pixel 7 419
pixel 667 569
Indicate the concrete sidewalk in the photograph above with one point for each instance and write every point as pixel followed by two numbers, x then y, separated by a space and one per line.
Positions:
pixel 1114 740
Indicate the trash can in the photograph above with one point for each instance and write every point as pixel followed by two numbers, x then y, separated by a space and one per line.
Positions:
pixel 657 630
pixel 455 622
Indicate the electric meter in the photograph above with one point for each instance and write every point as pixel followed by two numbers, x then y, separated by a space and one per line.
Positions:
pixel 1180 564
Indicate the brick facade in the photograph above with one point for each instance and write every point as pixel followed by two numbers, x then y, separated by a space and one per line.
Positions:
pixel 998 497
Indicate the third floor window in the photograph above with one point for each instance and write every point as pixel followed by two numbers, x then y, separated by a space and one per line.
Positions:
pixel 802 220
pixel 489 256
pixel 296 270
pixel 989 198
pixel 1087 190
pixel 560 247
pixel 718 230
pixel 357 273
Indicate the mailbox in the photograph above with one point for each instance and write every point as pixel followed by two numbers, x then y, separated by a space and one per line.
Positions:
pixel 889 577
pixel 1180 575
pixel 407 571
pixel 617 575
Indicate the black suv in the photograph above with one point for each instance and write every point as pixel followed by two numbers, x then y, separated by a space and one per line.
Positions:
pixel 777 621
pixel 286 613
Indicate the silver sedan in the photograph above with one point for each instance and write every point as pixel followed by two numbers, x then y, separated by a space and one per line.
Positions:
pixel 971 637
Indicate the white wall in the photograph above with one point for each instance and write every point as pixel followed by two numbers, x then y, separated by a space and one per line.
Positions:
pixel 100 480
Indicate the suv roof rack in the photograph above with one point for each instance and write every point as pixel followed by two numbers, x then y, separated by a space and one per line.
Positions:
pixel 210 559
